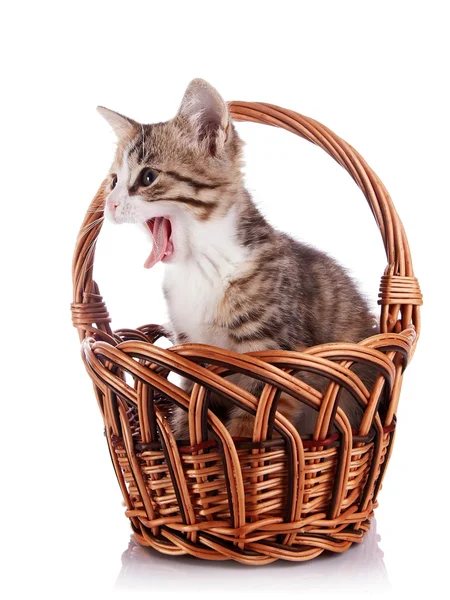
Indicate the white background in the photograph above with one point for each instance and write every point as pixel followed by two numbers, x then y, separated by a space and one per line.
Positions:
pixel 374 72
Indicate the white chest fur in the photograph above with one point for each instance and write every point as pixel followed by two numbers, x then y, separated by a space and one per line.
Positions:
pixel 196 285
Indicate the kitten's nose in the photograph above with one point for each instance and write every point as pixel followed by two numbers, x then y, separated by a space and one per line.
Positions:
pixel 110 210
pixel 112 205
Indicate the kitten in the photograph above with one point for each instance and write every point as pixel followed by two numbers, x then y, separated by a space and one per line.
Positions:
pixel 231 279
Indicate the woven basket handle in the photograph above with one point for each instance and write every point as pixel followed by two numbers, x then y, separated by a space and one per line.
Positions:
pixel 89 312
pixel 399 295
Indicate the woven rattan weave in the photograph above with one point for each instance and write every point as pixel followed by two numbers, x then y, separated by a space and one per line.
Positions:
pixel 276 496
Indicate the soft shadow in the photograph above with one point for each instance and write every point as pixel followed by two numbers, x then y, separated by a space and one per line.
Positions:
pixel 359 569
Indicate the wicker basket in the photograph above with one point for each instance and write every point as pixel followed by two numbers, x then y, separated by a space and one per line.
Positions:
pixel 274 496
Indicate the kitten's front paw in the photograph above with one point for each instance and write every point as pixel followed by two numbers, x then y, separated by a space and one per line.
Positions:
pixel 168 332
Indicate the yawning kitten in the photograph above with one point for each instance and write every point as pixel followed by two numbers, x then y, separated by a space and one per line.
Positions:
pixel 231 279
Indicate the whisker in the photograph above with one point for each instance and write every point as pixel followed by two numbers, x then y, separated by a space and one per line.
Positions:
pixel 215 267
pixel 88 228
pixel 95 210
pixel 202 269
pixel 89 253
pixel 100 218
pixel 91 225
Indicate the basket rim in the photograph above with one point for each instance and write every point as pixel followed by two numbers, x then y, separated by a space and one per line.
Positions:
pixel 209 364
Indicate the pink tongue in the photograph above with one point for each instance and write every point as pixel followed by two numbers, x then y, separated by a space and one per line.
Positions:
pixel 162 244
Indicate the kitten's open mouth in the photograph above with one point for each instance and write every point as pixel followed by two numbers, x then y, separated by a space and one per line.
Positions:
pixel 161 230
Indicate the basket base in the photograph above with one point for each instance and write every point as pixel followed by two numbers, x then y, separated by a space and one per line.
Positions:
pixel 359 568
pixel 207 546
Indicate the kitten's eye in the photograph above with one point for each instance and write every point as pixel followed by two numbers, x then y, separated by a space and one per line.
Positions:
pixel 148 176
pixel 113 181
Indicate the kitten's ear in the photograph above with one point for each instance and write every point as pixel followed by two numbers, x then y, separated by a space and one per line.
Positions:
pixel 208 112
pixel 123 126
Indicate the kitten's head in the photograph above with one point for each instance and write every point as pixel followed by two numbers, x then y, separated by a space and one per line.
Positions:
pixel 173 176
